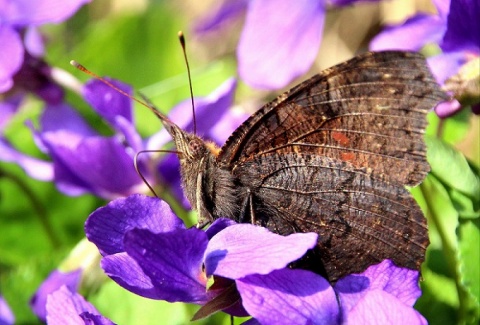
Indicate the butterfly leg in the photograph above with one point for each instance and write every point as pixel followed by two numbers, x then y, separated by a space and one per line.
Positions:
pixel 247 214
pixel 204 216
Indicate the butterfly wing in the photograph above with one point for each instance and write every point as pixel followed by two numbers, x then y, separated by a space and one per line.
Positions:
pixel 333 154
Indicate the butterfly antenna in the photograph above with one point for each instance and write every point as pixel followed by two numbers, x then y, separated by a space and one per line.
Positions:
pixel 135 163
pixel 169 125
pixel 181 37
pixel 166 122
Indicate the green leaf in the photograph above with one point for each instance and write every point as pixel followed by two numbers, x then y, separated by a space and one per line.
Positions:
pixel 451 130
pixel 124 307
pixel 452 168
pixel 469 267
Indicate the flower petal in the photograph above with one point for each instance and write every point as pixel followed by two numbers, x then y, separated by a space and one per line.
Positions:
pixel 379 307
pixel 208 111
pixel 11 56
pixel 279 41
pixel 244 249
pixel 34 42
pixel 289 297
pixel 107 226
pixel 228 123
pixel 64 117
pixel 447 109
pixel 462 27
pixel 445 65
pixel 55 280
pixel 124 270
pixel 413 34
pixel 226 11
pixel 35 168
pixel 8 108
pixel 173 262
pixel 67 307
pixel 108 102
pixel 6 315
pixel 25 12
pixel 218 225
pixel 400 283
pixel 97 165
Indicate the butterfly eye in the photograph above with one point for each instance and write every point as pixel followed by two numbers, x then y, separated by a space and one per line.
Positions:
pixel 195 145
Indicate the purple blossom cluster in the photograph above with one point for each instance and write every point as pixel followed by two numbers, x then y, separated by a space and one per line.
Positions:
pixel 148 250
pixel 22 44
pixel 84 161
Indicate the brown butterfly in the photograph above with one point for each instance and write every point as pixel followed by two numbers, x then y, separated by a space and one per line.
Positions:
pixel 332 156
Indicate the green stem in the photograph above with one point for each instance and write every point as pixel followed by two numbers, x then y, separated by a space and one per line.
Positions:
pixel 37 205
pixel 450 253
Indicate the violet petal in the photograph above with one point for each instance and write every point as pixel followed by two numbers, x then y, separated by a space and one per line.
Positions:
pixel 289 296
pixel 35 168
pixel 106 226
pixel 379 307
pixel 6 315
pixel 107 101
pixel 208 111
pixel 413 34
pixel 400 283
pixel 228 123
pixel 101 165
pixel 34 42
pixel 11 56
pixel 462 27
pixel 55 280
pixel 8 108
pixel 227 11
pixel 445 65
pixel 124 270
pixel 64 117
pixel 218 225
pixel 277 32
pixel 447 109
pixel 173 261
pixel 67 307
pixel 244 249
pixel 341 3
pixel 25 12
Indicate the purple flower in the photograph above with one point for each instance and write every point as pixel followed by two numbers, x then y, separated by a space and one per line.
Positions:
pixel 148 251
pixel 454 28
pixel 18 35
pixel 275 32
pixel 6 315
pixel 55 281
pixel 83 160
pixel 65 306
pixel 86 162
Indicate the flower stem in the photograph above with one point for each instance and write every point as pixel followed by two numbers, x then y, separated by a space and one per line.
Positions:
pixel 37 205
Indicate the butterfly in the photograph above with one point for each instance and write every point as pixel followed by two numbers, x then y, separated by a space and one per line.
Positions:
pixel 331 155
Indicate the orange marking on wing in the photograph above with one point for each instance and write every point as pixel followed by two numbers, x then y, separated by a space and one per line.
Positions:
pixel 341 138
pixel 347 156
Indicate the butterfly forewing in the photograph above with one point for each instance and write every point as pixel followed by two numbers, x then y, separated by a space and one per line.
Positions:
pixel 369 111
pixel 333 154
